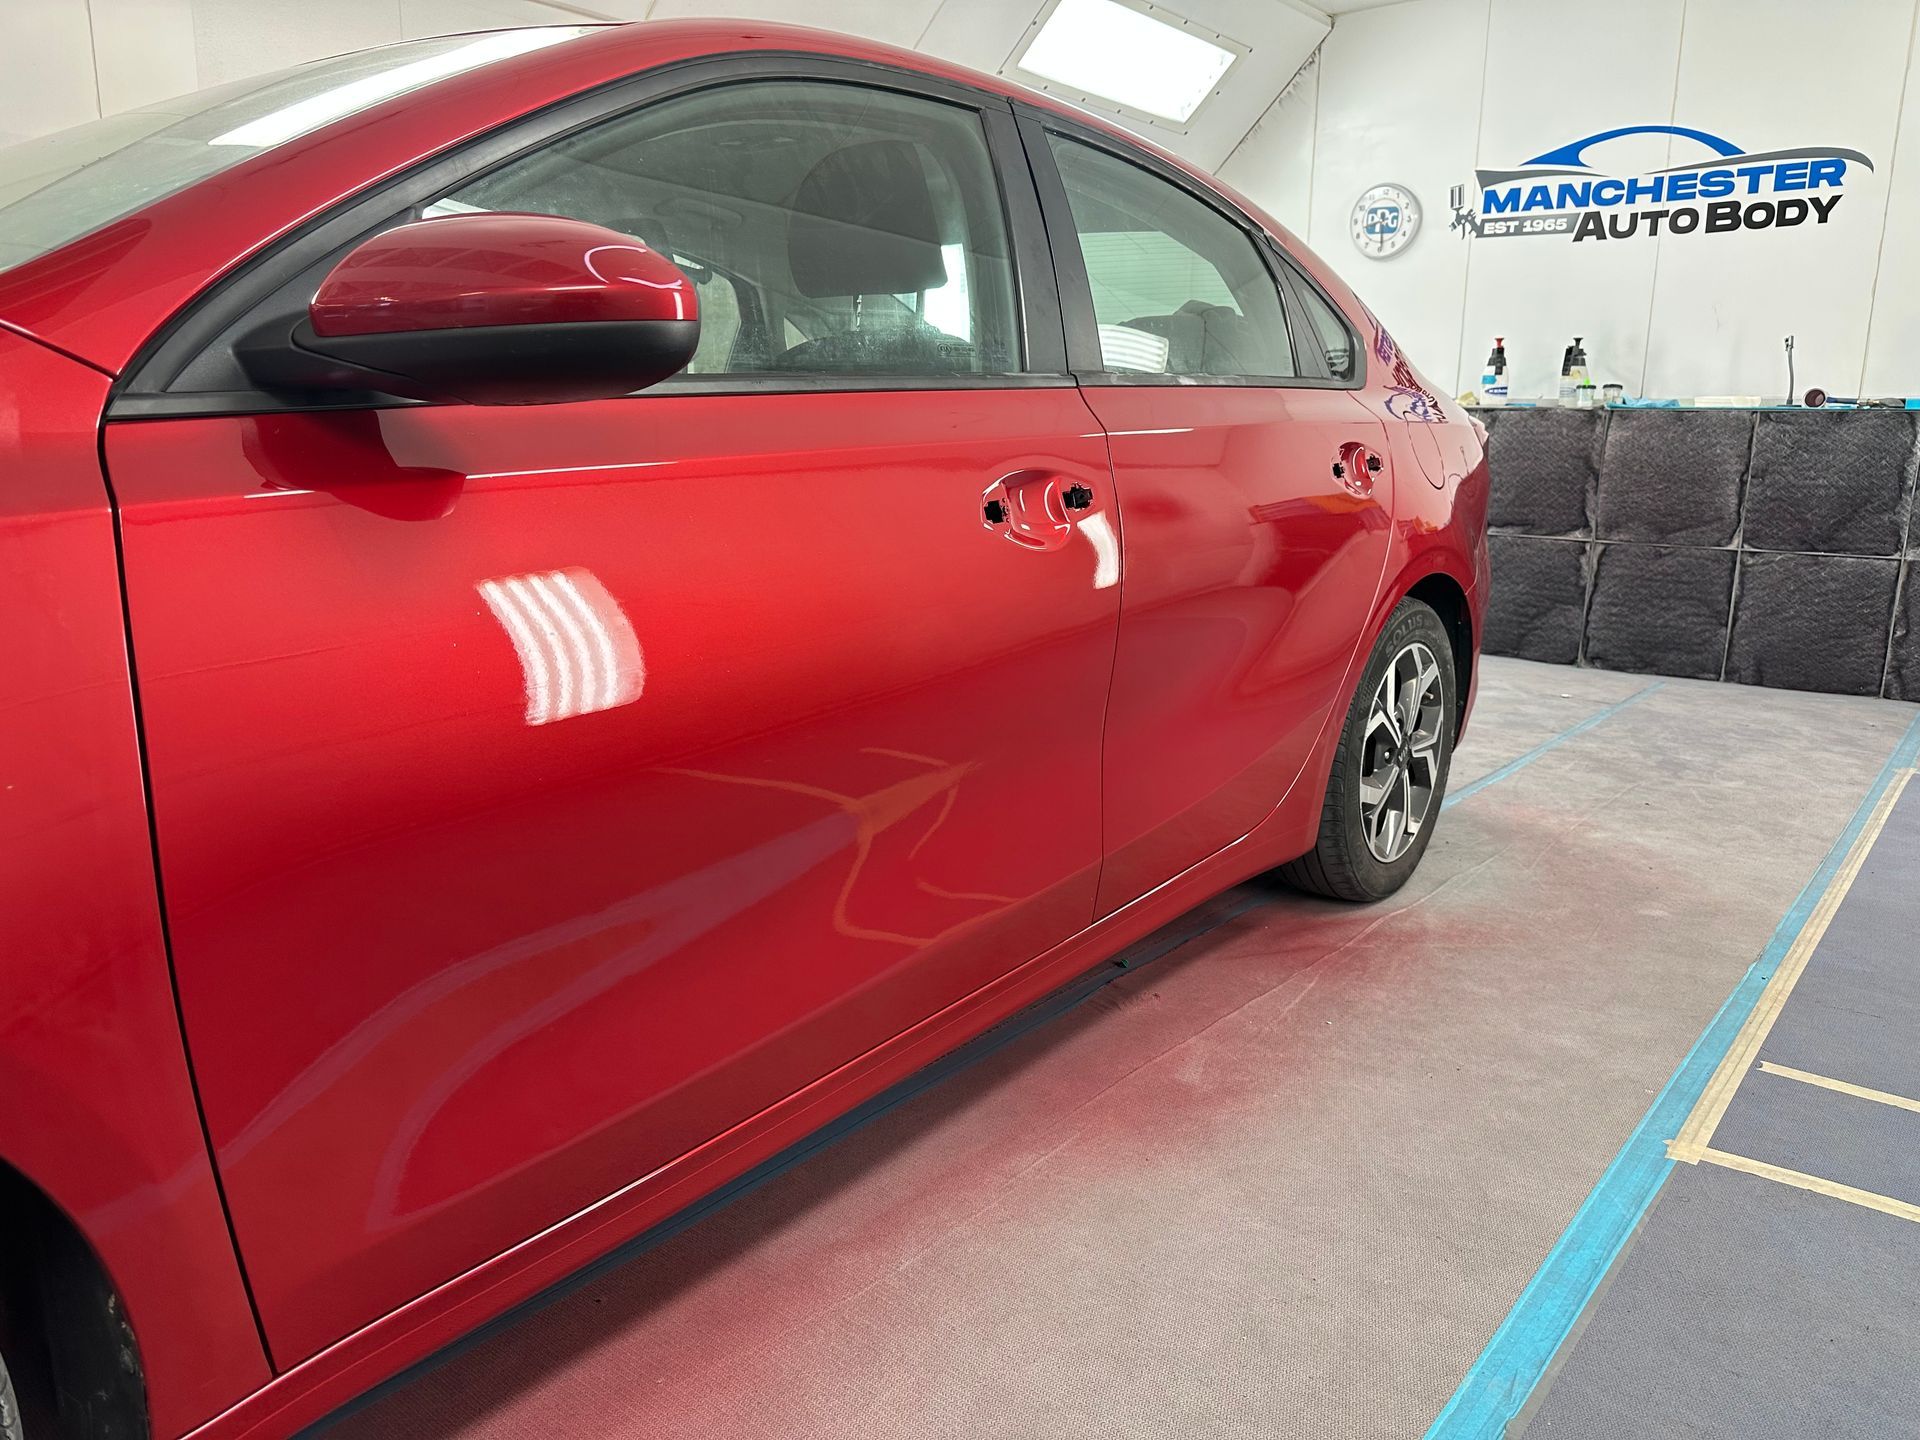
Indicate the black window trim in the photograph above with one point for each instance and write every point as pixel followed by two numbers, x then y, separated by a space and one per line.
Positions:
pixel 143 392
pixel 1076 293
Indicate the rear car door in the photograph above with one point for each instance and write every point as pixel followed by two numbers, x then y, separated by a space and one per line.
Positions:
pixel 1257 494
pixel 542 791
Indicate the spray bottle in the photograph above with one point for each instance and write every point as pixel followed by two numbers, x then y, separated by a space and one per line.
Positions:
pixel 1493 383
pixel 1573 372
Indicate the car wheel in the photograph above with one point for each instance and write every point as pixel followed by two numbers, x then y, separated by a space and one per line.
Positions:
pixel 9 1407
pixel 1390 771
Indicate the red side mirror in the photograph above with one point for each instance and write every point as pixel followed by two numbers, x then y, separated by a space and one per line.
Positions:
pixel 493 309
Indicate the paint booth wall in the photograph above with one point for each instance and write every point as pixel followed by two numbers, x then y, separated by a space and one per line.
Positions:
pixel 1767 547
pixel 1424 93
pixel 65 62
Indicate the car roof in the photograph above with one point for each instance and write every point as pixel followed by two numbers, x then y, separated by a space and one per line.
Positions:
pixel 101 296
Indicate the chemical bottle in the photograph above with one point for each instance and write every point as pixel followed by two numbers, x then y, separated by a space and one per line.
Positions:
pixel 1573 372
pixel 1493 383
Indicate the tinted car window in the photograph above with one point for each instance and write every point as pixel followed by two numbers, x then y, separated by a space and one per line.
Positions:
pixel 830 229
pixel 1325 330
pixel 1178 289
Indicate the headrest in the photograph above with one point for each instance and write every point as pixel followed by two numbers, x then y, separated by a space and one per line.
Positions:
pixel 863 224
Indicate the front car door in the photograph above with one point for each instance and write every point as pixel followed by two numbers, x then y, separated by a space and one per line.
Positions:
pixel 1257 493
pixel 541 792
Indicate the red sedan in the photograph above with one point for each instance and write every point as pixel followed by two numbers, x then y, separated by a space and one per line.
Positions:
pixel 579 603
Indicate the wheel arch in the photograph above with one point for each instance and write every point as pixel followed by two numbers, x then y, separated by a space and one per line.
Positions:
pixel 1447 597
pixel 64 1328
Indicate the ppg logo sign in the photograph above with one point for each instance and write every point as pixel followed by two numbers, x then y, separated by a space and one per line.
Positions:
pixel 1385 220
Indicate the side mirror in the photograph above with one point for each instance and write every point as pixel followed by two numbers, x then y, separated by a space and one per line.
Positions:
pixel 488 309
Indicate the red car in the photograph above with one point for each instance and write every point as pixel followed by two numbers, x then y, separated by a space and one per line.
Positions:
pixel 580 603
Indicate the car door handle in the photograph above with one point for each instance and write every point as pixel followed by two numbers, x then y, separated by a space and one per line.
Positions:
pixel 1355 466
pixel 1034 508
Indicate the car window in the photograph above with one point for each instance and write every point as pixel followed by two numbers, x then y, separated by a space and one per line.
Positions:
pixel 830 229
pixel 1326 330
pixel 1178 288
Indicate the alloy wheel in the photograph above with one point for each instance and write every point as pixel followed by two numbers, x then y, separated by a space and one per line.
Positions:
pixel 1400 753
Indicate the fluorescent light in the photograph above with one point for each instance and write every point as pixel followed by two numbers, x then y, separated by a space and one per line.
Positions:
pixel 342 100
pixel 1104 48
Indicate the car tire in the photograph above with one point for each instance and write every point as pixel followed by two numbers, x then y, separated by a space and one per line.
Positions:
pixel 1385 792
pixel 9 1407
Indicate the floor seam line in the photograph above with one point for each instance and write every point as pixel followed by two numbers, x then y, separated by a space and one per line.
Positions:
pixel 1519 763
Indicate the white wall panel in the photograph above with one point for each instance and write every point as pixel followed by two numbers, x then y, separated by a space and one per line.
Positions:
pixel 1680 315
pixel 897 22
pixel 1400 101
pixel 143 51
pixel 46 68
pixel 421 18
pixel 237 38
pixel 1893 340
pixel 1618 74
pixel 1275 162
pixel 1765 75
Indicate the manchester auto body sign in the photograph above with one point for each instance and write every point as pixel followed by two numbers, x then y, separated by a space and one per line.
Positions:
pixel 1568 192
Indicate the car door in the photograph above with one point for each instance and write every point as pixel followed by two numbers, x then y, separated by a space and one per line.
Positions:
pixel 1257 494
pixel 542 791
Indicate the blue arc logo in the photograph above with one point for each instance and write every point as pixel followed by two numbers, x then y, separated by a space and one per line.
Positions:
pixel 1573 154
pixel 1571 158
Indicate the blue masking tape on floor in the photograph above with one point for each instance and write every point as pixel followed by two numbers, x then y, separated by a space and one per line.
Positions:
pixel 1517 1356
pixel 1494 777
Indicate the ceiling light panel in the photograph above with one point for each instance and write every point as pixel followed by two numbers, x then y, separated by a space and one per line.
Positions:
pixel 1141 57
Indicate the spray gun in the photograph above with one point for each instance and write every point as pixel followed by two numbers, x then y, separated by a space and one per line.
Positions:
pixel 1464 219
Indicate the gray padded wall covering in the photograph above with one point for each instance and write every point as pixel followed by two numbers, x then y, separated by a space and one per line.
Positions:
pixel 1812 622
pixel 1673 477
pixel 1801 514
pixel 1542 469
pixel 1660 609
pixel 1903 666
pixel 1539 598
pixel 1834 483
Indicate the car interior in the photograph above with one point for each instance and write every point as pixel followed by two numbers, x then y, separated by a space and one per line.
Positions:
pixel 840 230
pixel 834 230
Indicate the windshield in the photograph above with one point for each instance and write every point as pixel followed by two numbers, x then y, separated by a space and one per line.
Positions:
pixel 61 186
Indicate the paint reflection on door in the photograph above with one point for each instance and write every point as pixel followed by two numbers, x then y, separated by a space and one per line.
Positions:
pixel 542 791
pixel 577 652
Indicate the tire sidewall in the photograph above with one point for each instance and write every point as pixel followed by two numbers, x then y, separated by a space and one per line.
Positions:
pixel 1412 620
pixel 10 1428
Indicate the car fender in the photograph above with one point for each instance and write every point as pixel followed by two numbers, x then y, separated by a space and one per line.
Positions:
pixel 99 1111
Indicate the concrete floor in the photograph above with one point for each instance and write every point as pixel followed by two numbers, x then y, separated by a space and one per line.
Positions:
pixel 1286 1179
